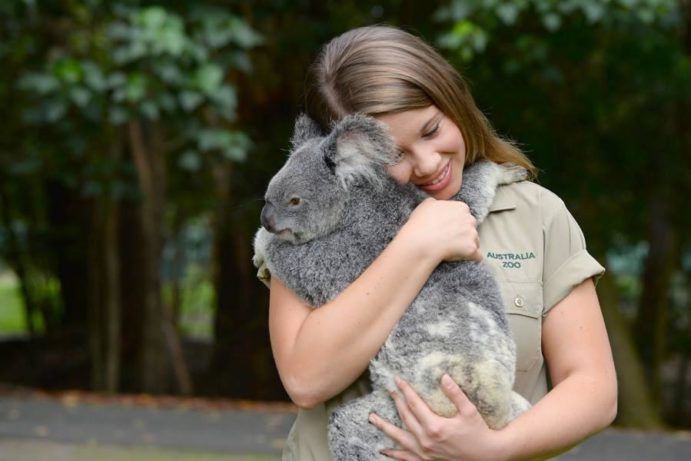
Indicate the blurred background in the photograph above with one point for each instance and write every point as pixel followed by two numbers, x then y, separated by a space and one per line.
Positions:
pixel 137 138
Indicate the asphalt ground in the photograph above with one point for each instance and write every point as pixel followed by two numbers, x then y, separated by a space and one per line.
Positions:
pixel 70 429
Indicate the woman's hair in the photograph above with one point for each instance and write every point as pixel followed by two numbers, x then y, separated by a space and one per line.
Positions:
pixel 381 69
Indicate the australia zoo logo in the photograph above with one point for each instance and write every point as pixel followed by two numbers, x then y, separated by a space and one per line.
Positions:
pixel 511 260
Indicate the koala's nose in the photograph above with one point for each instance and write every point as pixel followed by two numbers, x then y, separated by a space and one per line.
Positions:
pixel 267 218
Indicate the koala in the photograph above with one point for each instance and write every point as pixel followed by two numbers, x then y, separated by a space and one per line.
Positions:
pixel 329 212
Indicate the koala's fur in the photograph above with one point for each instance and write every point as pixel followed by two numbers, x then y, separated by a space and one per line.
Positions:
pixel 349 209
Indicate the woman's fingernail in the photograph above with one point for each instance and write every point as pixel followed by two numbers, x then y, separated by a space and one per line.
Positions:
pixel 398 381
pixel 446 380
pixel 372 418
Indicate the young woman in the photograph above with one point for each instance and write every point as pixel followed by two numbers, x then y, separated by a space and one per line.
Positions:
pixel 529 238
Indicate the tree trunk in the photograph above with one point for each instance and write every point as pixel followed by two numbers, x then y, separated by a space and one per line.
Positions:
pixel 651 322
pixel 70 219
pixel 636 407
pixel 133 287
pixel 104 285
pixel 149 160
pixel 241 355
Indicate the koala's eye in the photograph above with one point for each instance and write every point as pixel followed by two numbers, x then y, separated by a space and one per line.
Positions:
pixel 295 201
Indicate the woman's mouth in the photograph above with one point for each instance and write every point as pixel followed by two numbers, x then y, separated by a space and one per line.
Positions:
pixel 440 182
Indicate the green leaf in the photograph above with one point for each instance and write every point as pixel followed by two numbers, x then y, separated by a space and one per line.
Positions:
pixel 243 35
pixel 116 79
pixel 213 138
pixel 153 17
pixel 68 70
pixel 40 83
pixel 594 11
pixel 166 102
pixel 55 109
pixel 118 115
pixel 208 78
pixel 190 100
pixel 135 89
pixel 149 110
pixel 190 161
pixel 94 78
pixel 551 21
pixel 225 99
pixel 80 96
pixel 169 72
pixel 25 167
pixel 238 147
pixel 508 13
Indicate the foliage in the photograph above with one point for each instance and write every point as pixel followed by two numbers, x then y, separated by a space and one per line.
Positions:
pixel 129 63
pixel 476 21
pixel 12 319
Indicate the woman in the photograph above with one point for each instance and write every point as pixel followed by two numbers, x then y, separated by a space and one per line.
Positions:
pixel 529 239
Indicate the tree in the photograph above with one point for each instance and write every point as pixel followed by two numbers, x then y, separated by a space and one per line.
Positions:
pixel 126 93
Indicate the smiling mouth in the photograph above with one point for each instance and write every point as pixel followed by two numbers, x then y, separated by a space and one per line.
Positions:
pixel 438 179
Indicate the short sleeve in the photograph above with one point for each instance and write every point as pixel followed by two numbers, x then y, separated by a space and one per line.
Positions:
pixel 567 263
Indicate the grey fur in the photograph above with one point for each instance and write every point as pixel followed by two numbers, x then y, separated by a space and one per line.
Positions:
pixel 349 210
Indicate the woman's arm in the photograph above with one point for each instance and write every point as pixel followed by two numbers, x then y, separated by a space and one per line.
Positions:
pixel 582 401
pixel 319 352
pixel 584 397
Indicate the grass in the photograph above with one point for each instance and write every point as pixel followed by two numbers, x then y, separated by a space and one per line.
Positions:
pixel 197 304
pixel 196 312
pixel 12 319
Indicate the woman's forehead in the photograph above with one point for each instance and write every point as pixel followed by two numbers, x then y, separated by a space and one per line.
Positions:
pixel 410 124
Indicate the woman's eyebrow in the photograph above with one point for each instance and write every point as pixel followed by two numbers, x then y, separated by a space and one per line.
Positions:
pixel 427 126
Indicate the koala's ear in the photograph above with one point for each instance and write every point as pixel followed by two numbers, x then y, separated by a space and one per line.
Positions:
pixel 359 147
pixel 305 128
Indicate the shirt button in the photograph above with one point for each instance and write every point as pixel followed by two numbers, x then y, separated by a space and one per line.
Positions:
pixel 519 302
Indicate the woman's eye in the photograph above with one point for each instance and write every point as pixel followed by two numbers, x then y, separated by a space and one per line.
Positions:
pixel 294 201
pixel 432 132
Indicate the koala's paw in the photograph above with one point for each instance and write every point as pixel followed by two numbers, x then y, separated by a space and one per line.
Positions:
pixel 261 241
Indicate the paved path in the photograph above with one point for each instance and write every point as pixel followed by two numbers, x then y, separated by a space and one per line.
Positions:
pixel 56 430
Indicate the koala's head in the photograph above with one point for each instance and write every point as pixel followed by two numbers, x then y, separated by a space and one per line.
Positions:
pixel 307 197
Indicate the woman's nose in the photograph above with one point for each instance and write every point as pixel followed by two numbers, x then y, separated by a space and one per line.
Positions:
pixel 424 162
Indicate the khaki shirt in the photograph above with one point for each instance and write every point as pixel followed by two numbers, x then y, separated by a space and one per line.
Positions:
pixel 538 254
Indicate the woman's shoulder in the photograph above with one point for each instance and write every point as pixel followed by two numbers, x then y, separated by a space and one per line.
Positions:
pixel 531 198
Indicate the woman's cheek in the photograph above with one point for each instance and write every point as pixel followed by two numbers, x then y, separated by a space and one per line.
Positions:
pixel 399 172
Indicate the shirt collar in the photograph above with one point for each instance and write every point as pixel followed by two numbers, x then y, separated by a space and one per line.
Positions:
pixel 503 200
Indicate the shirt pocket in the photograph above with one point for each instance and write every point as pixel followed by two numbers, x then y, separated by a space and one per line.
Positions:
pixel 523 302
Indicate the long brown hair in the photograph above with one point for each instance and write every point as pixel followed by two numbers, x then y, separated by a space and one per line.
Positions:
pixel 382 69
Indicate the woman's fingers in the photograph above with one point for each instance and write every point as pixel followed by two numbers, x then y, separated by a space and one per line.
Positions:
pixel 419 409
pixel 401 437
pixel 409 420
pixel 400 454
pixel 456 395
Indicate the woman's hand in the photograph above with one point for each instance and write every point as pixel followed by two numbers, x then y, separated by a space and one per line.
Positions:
pixel 431 437
pixel 445 229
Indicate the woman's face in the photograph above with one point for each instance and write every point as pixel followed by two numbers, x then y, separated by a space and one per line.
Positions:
pixel 432 150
